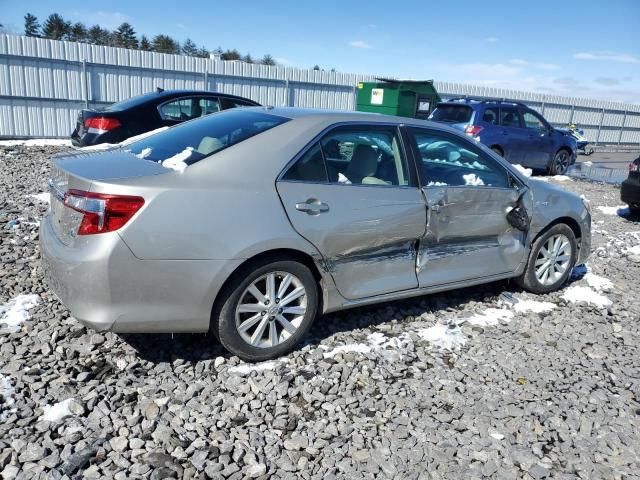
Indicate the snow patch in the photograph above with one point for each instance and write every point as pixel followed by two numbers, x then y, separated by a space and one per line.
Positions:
pixel 577 294
pixel 635 250
pixel 472 179
pixel 534 306
pixel 43 197
pixel 128 141
pixel 619 210
pixel 443 337
pixel 348 348
pixel 436 184
pixel 527 172
pixel 37 142
pixel 378 343
pixel 246 368
pixel 57 411
pixel 490 317
pixel 7 402
pixel 561 178
pixel 177 162
pixel 16 311
pixel 599 283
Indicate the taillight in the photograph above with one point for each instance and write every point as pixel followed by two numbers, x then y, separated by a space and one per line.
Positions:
pixel 473 130
pixel 104 124
pixel 102 212
pixel 634 167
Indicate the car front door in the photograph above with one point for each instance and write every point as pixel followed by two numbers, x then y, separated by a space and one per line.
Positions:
pixel 468 195
pixel 353 197
pixel 513 134
pixel 539 146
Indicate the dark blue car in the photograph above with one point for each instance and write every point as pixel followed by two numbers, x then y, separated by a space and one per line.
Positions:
pixel 512 130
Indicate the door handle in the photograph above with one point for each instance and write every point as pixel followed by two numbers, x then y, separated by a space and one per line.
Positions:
pixel 313 206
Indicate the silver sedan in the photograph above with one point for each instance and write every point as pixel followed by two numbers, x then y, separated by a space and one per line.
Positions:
pixel 252 222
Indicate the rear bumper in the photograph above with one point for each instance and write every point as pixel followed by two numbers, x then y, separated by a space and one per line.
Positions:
pixel 107 288
pixel 630 191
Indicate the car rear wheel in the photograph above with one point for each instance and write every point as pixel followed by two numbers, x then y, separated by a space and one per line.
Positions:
pixel 634 208
pixel 552 258
pixel 560 163
pixel 266 309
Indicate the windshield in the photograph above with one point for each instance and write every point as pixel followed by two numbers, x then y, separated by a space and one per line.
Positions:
pixel 189 142
pixel 451 113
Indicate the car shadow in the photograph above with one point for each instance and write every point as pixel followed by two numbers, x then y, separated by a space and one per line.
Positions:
pixel 195 347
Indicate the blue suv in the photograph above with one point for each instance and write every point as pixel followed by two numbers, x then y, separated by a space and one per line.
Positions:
pixel 512 130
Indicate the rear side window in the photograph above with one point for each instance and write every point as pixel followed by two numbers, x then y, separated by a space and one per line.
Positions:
pixel 490 115
pixel 189 108
pixel 196 140
pixel 510 117
pixel 452 113
pixel 309 167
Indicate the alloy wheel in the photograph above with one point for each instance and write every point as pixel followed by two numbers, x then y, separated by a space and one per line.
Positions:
pixel 553 259
pixel 562 163
pixel 271 309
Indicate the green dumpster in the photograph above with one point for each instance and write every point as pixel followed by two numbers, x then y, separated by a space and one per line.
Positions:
pixel 404 98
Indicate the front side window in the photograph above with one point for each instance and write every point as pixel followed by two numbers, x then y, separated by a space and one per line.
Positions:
pixel 193 141
pixel 509 117
pixel 533 122
pixel 446 160
pixel 364 156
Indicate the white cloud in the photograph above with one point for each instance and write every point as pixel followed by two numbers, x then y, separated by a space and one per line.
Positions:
pixel 607 56
pixel 519 61
pixel 491 39
pixel 359 44
pixel 110 20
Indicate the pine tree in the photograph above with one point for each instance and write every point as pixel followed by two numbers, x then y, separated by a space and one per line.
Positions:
pixel 230 55
pixel 78 33
pixel 268 60
pixel 247 58
pixel 145 44
pixel 125 36
pixel 55 27
pixel 316 67
pixel 165 44
pixel 203 52
pixel 31 26
pixel 98 35
pixel 189 48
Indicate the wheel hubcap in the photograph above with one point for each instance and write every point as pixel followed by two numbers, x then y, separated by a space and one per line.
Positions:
pixel 271 309
pixel 562 162
pixel 553 259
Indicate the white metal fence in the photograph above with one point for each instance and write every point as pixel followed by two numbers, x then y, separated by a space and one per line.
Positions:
pixel 44 83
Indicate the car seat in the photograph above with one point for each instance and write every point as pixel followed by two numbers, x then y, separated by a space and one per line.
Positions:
pixel 363 166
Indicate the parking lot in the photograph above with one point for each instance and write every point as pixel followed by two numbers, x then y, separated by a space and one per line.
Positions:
pixel 488 381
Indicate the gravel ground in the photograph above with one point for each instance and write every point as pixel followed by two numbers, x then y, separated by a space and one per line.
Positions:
pixel 483 382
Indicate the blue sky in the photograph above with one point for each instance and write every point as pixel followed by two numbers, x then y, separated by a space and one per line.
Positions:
pixel 587 48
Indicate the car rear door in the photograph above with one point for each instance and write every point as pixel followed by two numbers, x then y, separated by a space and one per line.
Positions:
pixel 513 135
pixel 353 197
pixel 468 194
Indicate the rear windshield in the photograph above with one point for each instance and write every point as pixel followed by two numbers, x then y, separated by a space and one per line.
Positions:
pixel 130 102
pixel 452 113
pixel 192 141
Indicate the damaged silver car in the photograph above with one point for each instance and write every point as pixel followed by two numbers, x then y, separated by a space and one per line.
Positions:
pixel 250 223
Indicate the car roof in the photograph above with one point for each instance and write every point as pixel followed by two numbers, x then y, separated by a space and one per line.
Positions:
pixel 180 93
pixel 337 116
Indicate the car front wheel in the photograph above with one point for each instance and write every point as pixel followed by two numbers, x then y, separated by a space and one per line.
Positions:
pixel 552 258
pixel 560 163
pixel 266 309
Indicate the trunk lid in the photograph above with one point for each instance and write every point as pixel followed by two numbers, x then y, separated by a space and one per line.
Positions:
pixel 79 171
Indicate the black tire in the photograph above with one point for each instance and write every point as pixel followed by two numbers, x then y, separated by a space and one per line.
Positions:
pixel 528 279
pixel 223 319
pixel 635 210
pixel 560 163
pixel 498 150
